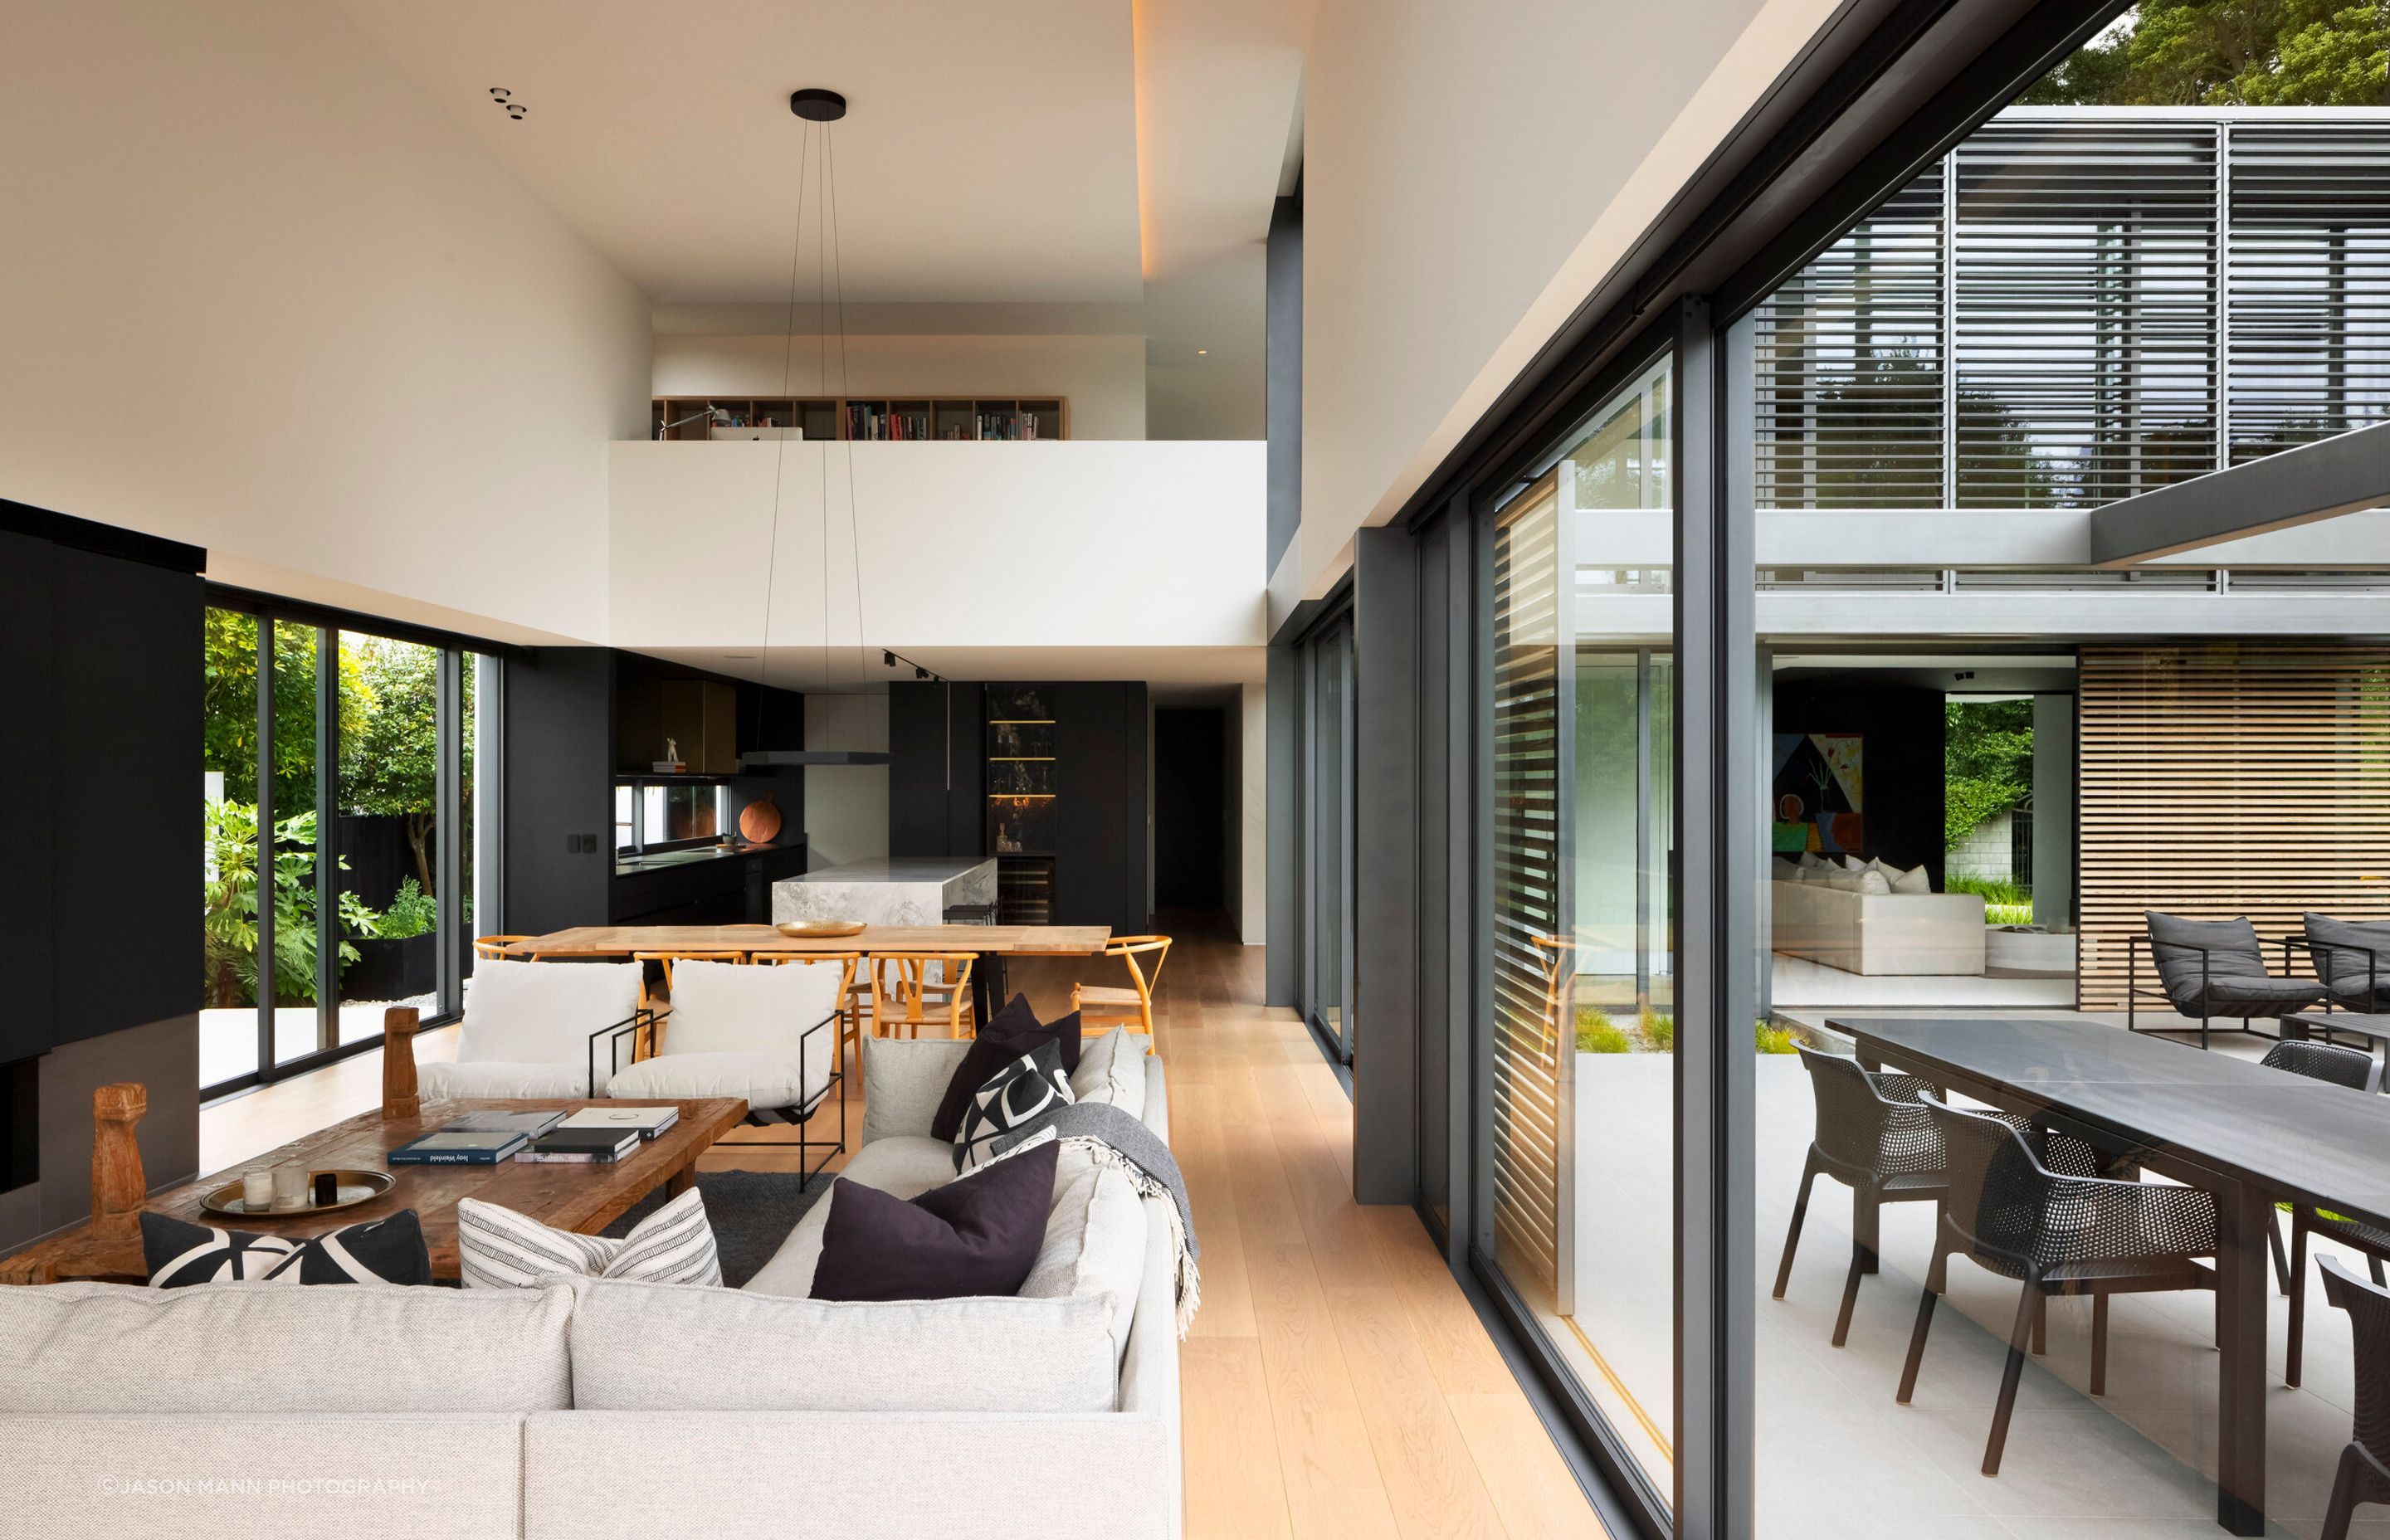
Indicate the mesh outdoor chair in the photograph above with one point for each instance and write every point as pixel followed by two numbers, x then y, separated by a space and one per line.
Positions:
pixel 1873 1136
pixel 2208 970
pixel 2351 1067
pixel 2364 1473
pixel 2008 1211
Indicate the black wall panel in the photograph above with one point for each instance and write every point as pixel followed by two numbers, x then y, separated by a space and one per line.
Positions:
pixel 1101 854
pixel 1903 765
pixel 28 768
pixel 124 798
pixel 560 818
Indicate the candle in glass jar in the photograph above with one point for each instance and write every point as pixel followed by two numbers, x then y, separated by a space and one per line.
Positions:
pixel 257 1188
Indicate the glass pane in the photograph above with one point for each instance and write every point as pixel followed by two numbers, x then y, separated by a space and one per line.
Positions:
pixel 228 764
pixel 294 842
pixel 1329 816
pixel 1582 1055
pixel 387 831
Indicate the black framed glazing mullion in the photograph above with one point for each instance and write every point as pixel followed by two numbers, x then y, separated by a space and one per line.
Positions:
pixel 1348 1016
pixel 268 975
pixel 1717 751
pixel 328 827
pixel 447 830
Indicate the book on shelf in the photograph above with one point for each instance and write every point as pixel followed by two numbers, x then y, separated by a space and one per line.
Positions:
pixel 580 1144
pixel 649 1121
pixel 451 1148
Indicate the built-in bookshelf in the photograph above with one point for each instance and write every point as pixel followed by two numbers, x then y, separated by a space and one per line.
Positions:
pixel 1018 418
pixel 1020 803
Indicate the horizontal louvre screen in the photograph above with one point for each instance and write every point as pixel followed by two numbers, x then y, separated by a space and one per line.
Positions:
pixel 2126 292
pixel 2223 781
pixel 2311 283
pixel 1848 359
pixel 1527 898
pixel 2087 306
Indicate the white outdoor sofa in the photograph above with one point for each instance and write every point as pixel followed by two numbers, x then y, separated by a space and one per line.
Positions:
pixel 1877 933
pixel 610 1410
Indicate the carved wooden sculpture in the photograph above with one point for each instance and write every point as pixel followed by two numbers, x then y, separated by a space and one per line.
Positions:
pixel 398 1094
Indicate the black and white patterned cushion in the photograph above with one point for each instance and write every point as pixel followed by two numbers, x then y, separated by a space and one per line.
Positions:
pixel 1020 1090
pixel 497 1247
pixel 391 1250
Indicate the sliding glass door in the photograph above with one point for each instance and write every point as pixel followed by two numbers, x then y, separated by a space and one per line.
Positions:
pixel 1328 991
pixel 1580 1050
pixel 342 831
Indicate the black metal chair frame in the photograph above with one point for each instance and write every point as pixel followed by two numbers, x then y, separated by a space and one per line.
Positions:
pixel 2135 993
pixel 2364 1473
pixel 798 1118
pixel 2321 953
pixel 2043 1275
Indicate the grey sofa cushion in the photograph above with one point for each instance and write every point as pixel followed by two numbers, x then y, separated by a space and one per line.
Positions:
pixel 903 1080
pixel 664 1347
pixel 2353 957
pixel 101 1347
pixel 901 1165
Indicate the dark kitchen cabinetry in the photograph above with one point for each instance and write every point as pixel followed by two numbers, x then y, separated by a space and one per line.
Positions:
pixel 935 769
pixel 1049 779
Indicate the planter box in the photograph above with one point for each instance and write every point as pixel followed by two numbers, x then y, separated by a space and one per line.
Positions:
pixel 393 969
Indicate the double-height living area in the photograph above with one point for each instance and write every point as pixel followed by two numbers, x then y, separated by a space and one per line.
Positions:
pixel 1214 768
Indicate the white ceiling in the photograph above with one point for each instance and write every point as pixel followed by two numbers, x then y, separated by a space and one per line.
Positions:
pixel 989 153
pixel 1041 153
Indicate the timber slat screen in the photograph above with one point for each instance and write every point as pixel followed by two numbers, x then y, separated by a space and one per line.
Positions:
pixel 1530 1030
pixel 2226 780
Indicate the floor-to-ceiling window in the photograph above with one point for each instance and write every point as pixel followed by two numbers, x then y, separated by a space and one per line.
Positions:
pixel 1580 1050
pixel 345 819
pixel 1329 860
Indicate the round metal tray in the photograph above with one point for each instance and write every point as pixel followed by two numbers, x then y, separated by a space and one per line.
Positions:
pixel 356 1186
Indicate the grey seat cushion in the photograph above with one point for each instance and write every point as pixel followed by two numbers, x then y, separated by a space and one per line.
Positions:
pixel 2353 956
pixel 2217 968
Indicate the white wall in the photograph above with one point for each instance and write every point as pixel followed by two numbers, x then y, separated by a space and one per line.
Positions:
pixel 1253 830
pixel 259 292
pixel 1081 545
pixel 1102 377
pixel 1442 248
pixel 847 805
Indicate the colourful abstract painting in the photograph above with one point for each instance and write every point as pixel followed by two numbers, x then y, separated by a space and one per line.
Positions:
pixel 1820 793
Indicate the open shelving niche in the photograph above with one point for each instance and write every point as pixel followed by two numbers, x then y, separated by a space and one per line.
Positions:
pixel 950 419
pixel 1021 808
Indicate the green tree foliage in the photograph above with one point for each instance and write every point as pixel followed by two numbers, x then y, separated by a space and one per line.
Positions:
pixel 1986 763
pixel 229 698
pixel 230 927
pixel 2229 53
pixel 389 763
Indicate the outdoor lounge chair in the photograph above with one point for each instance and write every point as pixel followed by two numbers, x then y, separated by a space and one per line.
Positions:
pixel 2211 969
pixel 2352 957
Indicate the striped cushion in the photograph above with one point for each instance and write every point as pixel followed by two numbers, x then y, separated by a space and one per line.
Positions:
pixel 500 1249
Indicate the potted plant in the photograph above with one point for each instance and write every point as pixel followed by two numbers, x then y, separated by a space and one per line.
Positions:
pixel 401 958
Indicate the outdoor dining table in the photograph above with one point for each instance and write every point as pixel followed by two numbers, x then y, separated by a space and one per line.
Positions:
pixel 2250 1135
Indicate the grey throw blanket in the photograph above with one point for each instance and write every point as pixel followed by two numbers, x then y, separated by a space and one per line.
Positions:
pixel 1118 1139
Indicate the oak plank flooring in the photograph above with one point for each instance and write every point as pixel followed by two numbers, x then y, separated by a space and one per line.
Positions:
pixel 1337 1383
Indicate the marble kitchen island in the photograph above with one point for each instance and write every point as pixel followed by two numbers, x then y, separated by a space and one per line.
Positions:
pixel 901 890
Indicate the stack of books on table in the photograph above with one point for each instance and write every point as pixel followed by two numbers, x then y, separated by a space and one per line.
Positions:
pixel 600 1134
pixel 475 1139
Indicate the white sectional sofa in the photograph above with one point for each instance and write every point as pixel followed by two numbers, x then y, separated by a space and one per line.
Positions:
pixel 596 1410
pixel 1860 931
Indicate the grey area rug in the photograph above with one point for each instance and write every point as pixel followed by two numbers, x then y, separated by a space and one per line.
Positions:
pixel 751 1212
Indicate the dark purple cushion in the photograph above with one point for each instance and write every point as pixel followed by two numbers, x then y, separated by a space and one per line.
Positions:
pixel 977 1235
pixel 1010 1032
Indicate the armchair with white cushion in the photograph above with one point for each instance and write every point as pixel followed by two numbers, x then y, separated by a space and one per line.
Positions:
pixel 769 1035
pixel 538 1029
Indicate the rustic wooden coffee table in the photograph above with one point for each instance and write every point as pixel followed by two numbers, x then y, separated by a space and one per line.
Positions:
pixel 582 1198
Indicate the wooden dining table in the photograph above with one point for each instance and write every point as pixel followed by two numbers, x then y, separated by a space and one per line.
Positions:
pixel 992 944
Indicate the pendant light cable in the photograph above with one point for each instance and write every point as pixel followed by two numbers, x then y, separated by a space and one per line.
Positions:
pixel 781 458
